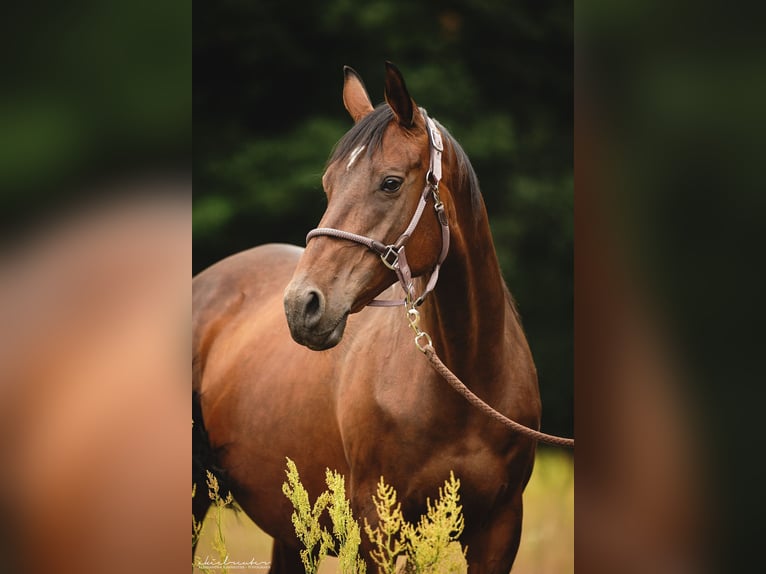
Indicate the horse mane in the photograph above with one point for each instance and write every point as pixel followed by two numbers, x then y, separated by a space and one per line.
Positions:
pixel 369 132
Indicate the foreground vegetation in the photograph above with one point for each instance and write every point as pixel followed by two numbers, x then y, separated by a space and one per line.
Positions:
pixel 547 543
pixel 427 547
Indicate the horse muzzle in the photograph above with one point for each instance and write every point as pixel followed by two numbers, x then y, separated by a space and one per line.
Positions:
pixel 312 322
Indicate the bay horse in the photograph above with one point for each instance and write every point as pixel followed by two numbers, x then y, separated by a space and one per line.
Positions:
pixel 339 384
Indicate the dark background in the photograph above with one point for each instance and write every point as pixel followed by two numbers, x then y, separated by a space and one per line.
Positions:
pixel 267 110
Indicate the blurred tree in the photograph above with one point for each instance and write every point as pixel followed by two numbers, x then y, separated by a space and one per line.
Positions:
pixel 92 91
pixel 268 109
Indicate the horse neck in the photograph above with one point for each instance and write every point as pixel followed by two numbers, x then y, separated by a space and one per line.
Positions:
pixel 467 312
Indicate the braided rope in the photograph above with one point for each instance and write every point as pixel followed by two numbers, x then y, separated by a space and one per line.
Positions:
pixel 458 385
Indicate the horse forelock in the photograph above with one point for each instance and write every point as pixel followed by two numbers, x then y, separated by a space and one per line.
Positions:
pixel 367 136
pixel 367 132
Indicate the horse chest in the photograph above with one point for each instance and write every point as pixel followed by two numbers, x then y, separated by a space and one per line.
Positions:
pixel 420 446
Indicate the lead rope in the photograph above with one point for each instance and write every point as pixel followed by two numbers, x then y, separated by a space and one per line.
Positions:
pixel 424 343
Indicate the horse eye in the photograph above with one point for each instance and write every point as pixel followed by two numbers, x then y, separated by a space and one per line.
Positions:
pixel 391 184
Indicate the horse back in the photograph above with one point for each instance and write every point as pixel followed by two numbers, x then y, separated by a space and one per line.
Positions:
pixel 221 291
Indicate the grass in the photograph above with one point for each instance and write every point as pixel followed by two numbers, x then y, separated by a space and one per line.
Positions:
pixel 547 537
pixel 547 541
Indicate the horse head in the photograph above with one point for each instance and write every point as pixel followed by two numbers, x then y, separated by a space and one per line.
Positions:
pixel 374 183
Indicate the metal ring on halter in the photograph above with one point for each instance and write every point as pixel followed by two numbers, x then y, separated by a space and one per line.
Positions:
pixel 386 257
pixel 428 343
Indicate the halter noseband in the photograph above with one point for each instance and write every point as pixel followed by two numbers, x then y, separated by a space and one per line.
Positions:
pixel 393 255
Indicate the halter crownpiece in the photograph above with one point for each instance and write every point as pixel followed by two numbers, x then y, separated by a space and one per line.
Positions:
pixel 393 255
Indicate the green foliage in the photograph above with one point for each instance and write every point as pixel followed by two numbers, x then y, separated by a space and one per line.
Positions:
pixel 548 516
pixel 196 526
pixel 386 536
pixel 429 544
pixel 219 541
pixel 315 539
pixel 430 547
pixel 344 528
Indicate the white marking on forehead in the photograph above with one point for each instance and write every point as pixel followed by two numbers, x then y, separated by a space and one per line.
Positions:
pixel 353 156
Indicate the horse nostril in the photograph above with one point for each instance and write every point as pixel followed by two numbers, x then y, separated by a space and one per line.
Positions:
pixel 313 308
pixel 313 303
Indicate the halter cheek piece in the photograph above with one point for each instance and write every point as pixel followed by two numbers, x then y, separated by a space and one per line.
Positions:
pixel 393 255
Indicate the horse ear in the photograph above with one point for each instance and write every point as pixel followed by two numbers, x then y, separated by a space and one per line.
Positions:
pixel 398 97
pixel 355 97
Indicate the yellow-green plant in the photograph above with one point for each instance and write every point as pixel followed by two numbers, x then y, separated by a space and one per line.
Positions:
pixel 344 528
pixel 219 541
pixel 315 539
pixel 432 546
pixel 387 535
pixel 196 526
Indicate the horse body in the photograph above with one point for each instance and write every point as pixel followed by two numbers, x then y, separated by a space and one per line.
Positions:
pixel 365 402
